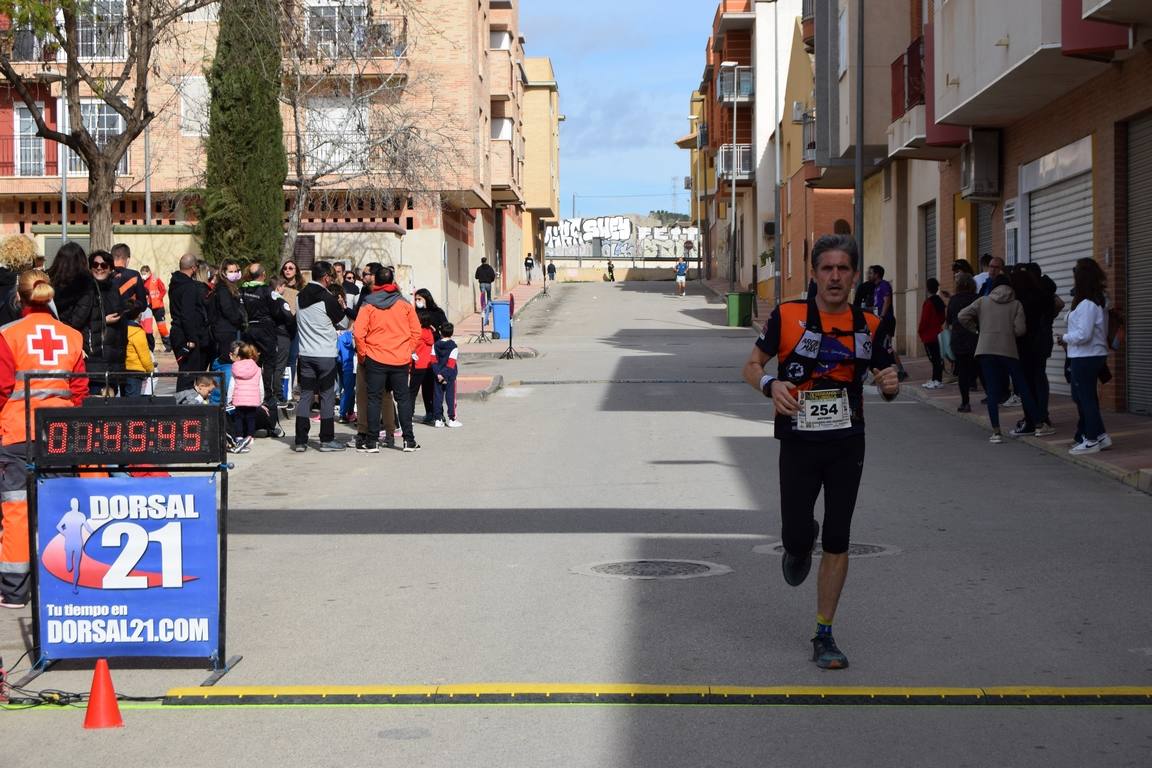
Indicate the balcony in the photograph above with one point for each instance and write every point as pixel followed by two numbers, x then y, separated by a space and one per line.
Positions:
pixel 1117 11
pixel 500 79
pixel 25 156
pixel 908 79
pixel 744 89
pixel 344 40
pixel 745 164
pixel 996 63
pixel 809 135
pixel 505 181
pixel 734 14
pixel 808 25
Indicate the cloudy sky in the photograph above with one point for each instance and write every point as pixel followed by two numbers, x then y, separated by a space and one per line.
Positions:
pixel 626 70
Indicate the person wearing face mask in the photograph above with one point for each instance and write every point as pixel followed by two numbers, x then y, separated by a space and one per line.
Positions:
pixel 431 318
pixel 229 318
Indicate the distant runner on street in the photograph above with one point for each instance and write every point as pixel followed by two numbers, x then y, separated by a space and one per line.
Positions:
pixel 824 347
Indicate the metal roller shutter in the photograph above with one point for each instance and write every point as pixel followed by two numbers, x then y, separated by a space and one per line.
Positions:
pixel 983 229
pixel 1060 231
pixel 930 266
pixel 1137 308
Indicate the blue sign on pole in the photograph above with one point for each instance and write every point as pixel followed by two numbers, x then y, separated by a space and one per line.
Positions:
pixel 127 566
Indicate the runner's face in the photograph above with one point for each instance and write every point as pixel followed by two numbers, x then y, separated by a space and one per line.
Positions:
pixel 834 277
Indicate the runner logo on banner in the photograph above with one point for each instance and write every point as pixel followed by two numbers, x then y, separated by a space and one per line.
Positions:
pixel 128 567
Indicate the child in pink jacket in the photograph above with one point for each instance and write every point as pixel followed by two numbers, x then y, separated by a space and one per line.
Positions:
pixel 245 393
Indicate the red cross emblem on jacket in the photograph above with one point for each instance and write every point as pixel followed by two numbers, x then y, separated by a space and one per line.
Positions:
pixel 47 346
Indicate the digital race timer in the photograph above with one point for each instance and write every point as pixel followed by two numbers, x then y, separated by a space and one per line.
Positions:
pixel 129 434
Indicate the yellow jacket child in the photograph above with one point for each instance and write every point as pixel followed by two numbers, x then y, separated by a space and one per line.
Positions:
pixel 139 357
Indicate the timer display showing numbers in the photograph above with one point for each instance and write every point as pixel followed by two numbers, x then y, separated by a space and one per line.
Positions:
pixel 142 434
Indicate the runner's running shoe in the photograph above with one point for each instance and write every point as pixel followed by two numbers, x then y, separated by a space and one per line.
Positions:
pixel 827 654
pixel 796 567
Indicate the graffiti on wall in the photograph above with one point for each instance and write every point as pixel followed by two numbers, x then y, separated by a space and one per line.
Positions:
pixel 620 238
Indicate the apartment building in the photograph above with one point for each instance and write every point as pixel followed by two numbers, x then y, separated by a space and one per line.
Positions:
pixel 542 120
pixel 1057 95
pixel 1021 130
pixel 452 78
pixel 755 74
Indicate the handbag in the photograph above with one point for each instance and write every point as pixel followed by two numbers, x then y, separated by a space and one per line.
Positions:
pixel 945 341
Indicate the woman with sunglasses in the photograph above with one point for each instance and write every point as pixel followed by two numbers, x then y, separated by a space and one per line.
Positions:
pixel 287 348
pixel 111 308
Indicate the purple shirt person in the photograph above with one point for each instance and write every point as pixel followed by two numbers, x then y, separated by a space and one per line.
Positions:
pixel 882 296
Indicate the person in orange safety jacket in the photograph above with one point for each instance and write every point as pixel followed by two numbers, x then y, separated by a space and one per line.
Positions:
pixel 35 344
pixel 156 292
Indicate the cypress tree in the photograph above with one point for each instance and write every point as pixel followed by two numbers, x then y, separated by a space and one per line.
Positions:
pixel 242 211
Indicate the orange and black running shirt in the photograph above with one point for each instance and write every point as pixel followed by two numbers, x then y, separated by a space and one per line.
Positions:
pixel 835 362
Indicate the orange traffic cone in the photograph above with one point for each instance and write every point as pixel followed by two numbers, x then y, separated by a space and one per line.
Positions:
pixel 103 711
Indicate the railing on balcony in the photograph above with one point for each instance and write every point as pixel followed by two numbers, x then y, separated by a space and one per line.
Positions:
pixel 348 31
pixel 908 79
pixel 809 137
pixel 27 46
pixel 807 10
pixel 744 162
pixel 745 85
pixel 24 155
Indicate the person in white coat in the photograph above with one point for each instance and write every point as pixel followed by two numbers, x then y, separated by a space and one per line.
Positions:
pixel 1087 347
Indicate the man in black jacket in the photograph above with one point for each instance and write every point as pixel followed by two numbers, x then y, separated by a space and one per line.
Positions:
pixel 265 310
pixel 190 333
pixel 133 293
pixel 485 276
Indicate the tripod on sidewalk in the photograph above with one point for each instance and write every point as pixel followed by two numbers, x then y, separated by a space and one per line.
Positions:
pixel 510 353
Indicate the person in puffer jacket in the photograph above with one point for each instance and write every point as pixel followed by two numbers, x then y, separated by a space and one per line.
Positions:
pixel 444 368
pixel 245 393
pixel 387 332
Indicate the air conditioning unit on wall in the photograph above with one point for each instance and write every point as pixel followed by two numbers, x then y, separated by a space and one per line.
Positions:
pixel 980 166
pixel 798 111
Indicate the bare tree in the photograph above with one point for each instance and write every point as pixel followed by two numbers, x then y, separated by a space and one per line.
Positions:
pixel 91 49
pixel 355 133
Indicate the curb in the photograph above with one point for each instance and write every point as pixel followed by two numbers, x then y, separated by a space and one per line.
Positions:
pixel 1140 479
pixel 494 385
pixel 525 352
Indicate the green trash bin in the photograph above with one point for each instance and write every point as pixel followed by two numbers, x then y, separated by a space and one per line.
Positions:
pixel 739 309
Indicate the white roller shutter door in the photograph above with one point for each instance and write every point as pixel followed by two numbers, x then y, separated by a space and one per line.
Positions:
pixel 1138 308
pixel 1060 231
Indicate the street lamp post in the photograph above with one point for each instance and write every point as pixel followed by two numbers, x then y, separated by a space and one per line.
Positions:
pixel 777 119
pixel 735 67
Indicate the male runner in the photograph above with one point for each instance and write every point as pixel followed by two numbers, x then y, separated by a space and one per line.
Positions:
pixel 824 346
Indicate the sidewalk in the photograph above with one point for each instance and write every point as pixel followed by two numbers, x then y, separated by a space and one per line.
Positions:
pixel 1129 460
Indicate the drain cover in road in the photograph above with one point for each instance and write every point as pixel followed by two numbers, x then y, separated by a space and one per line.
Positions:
pixel 653 569
pixel 855 549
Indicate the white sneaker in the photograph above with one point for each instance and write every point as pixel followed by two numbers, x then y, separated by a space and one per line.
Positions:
pixel 454 423
pixel 438 423
pixel 996 438
pixel 1043 430
pixel 930 384
pixel 1105 441
pixel 1012 402
pixel 1087 446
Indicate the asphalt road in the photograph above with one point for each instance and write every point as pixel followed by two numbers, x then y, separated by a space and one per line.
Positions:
pixel 631 438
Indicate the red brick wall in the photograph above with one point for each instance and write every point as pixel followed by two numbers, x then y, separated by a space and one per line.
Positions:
pixel 814 213
pixel 1099 108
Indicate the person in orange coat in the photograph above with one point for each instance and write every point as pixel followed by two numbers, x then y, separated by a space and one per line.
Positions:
pixel 156 292
pixel 39 343
pixel 387 332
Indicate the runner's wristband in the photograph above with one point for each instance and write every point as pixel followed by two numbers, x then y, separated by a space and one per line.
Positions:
pixel 766 384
